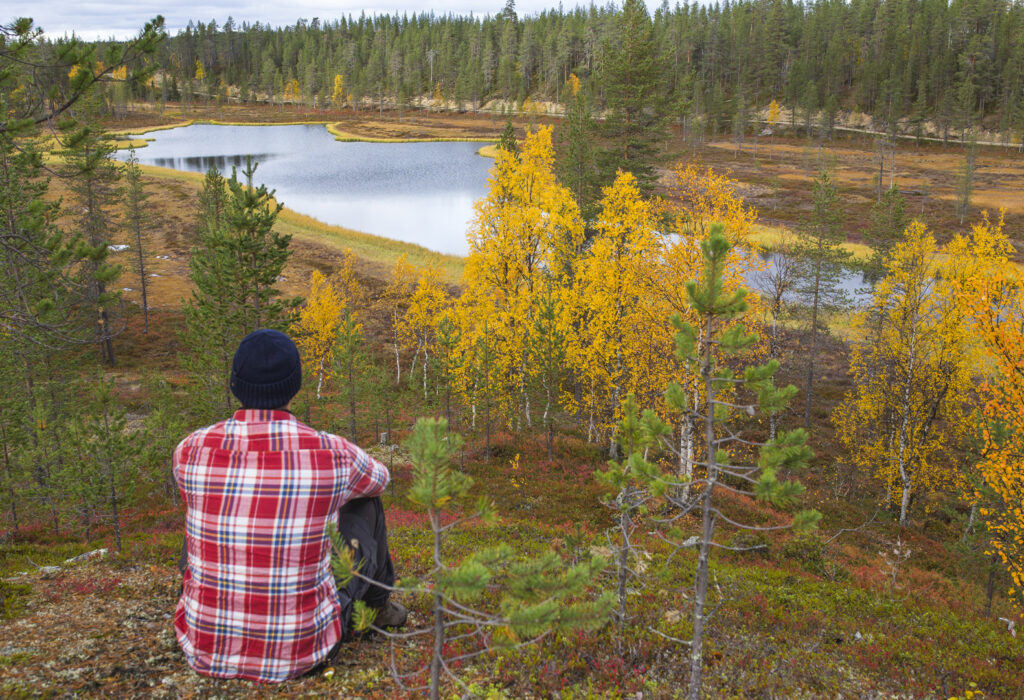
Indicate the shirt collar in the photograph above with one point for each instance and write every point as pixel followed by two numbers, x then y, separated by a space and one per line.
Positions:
pixel 263 415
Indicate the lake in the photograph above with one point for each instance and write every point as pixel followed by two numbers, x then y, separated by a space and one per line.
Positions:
pixel 422 193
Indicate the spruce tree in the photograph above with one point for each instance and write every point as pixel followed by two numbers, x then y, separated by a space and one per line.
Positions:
pixel 632 77
pixel 577 160
pixel 508 142
pixel 888 221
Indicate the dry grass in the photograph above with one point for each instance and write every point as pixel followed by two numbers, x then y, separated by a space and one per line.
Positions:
pixel 768 237
pixel 171 234
pixel 345 136
pixel 489 151
pixel 926 175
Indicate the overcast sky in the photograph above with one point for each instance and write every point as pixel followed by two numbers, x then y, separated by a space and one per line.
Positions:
pixel 92 19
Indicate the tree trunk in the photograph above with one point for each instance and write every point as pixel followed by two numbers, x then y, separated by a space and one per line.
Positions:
pixel 142 275
pixel 970 522
pixel 814 339
pixel 700 585
pixel 905 476
pixel 352 397
pixel 990 588
pixel 623 565
pixel 438 608
pixel 10 475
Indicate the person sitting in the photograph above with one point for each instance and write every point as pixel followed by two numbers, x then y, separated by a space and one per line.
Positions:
pixel 258 599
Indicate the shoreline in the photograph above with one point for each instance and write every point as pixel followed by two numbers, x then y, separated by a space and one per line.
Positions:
pixel 135 137
pixel 367 246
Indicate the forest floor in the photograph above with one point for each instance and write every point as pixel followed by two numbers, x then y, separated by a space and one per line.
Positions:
pixel 804 618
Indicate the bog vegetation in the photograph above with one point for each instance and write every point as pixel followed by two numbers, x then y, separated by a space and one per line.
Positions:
pixel 611 375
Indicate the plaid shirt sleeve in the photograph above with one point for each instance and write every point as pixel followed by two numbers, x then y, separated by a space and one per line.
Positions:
pixel 259 600
pixel 367 477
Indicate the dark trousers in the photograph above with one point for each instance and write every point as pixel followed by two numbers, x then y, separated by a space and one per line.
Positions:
pixel 361 524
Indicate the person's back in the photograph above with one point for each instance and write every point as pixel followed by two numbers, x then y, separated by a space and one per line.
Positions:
pixel 259 598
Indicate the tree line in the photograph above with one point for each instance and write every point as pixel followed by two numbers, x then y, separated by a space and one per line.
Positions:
pixel 903 62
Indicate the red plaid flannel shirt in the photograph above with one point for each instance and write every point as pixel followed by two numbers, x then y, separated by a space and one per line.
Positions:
pixel 259 599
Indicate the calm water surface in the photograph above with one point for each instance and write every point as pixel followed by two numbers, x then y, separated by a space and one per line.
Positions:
pixel 417 192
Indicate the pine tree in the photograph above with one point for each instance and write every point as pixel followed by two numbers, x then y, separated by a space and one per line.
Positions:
pixel 235 268
pixel 349 358
pixel 548 358
pixel 823 257
pixel 537 595
pixel 93 179
pixel 137 218
pixel 707 344
pixel 112 450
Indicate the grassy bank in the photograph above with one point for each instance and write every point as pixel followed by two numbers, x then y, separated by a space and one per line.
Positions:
pixel 381 253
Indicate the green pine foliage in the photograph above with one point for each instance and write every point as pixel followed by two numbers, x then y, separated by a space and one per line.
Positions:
pixel 632 79
pixel 508 141
pixel 577 157
pixel 822 260
pixel 729 395
pixel 888 221
pixel 491 597
pixel 137 219
pixel 94 181
pixel 235 268
pixel 708 346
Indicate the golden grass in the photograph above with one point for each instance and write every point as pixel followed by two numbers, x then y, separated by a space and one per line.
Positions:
pixel 219 122
pixel 769 237
pixel 347 136
pixel 159 127
pixel 366 246
pixel 490 151
pixel 125 144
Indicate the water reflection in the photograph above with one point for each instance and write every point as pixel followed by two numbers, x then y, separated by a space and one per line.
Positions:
pixel 854 283
pixel 204 163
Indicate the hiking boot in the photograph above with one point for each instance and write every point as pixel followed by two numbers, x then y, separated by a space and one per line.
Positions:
pixel 391 614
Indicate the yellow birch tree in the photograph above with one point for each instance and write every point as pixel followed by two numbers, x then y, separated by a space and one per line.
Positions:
pixel 913 377
pixel 392 305
pixel 774 112
pixel 417 328
pixel 993 293
pixel 526 230
pixel 316 331
pixel 619 341
pixel 338 96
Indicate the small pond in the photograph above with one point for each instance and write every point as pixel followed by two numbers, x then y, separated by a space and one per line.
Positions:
pixel 417 192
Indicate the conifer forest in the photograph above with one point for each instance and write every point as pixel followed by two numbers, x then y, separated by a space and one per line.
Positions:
pixel 723 396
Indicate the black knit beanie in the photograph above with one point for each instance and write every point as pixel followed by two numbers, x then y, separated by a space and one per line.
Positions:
pixel 267 371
